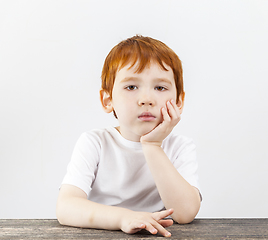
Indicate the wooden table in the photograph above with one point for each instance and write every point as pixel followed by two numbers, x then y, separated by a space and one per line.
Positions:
pixel 198 229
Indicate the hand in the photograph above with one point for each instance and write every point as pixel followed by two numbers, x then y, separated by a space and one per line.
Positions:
pixel 171 116
pixel 152 222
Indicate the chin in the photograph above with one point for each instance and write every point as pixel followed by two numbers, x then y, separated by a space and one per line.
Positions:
pixel 145 130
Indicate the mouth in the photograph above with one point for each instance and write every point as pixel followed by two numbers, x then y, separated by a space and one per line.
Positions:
pixel 147 117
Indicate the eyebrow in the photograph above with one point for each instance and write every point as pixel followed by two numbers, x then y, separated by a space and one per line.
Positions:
pixel 126 79
pixel 164 80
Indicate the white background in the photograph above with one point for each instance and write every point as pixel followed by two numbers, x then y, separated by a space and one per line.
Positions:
pixel 51 56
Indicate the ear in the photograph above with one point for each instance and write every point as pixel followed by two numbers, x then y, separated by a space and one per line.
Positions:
pixel 106 101
pixel 180 102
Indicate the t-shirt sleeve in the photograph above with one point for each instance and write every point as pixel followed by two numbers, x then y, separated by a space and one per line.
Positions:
pixel 84 162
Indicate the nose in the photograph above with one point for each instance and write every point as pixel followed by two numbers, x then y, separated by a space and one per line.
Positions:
pixel 146 99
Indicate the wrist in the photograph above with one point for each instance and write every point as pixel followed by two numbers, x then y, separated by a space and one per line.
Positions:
pixel 150 143
pixel 125 214
pixel 151 147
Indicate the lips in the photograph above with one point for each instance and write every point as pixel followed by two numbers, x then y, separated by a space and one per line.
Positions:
pixel 146 116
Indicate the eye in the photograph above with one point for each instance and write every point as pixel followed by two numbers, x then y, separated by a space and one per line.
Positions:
pixel 131 87
pixel 160 88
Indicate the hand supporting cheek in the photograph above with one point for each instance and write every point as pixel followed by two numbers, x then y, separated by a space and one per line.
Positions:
pixel 171 117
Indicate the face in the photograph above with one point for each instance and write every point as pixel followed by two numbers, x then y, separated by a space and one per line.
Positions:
pixel 137 99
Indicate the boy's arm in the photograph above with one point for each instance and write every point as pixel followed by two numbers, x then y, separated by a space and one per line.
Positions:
pixel 175 191
pixel 74 209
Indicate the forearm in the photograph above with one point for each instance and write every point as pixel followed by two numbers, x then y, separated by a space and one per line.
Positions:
pixel 80 212
pixel 174 190
pixel 74 209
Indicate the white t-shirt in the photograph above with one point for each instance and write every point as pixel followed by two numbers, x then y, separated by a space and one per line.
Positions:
pixel 113 171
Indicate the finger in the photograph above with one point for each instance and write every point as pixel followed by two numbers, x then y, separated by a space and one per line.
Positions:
pixel 157 228
pixel 166 117
pixel 139 225
pixel 149 227
pixel 173 109
pixel 163 214
pixel 176 107
pixel 166 222
pixel 135 227
pixel 161 230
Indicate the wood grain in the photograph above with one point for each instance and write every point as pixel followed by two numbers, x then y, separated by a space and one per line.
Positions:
pixel 198 229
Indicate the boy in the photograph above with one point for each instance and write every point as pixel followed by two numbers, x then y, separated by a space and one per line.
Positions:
pixel 126 177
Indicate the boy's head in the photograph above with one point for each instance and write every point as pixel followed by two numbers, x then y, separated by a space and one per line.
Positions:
pixel 142 51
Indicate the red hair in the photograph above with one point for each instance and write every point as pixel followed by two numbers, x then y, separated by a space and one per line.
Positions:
pixel 143 50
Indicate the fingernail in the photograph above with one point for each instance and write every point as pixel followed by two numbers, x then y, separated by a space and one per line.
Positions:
pixel 168 234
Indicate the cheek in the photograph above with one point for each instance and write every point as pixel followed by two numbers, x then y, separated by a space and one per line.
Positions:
pixel 168 97
pixel 163 101
pixel 123 109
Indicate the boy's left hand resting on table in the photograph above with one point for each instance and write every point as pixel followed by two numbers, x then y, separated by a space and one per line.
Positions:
pixel 152 222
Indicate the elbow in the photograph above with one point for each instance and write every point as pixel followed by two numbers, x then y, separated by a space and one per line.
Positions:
pixel 61 217
pixel 183 219
pixel 187 216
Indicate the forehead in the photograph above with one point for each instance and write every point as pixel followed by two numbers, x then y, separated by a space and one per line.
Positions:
pixel 152 70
